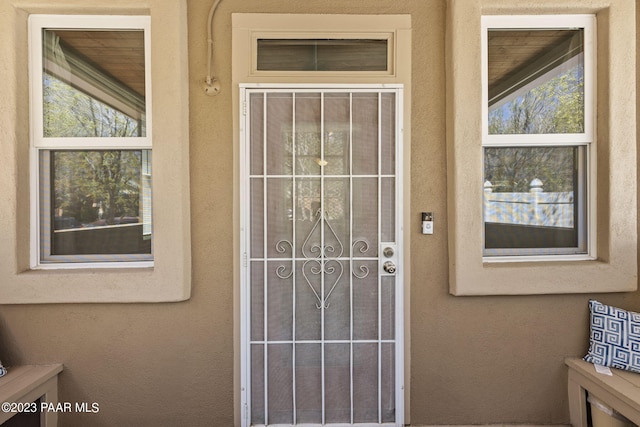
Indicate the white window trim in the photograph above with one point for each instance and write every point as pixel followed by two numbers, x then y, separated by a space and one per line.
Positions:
pixel 38 142
pixel 542 22
pixel 586 138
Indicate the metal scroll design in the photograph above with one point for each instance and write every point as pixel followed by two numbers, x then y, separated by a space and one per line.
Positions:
pixel 322 255
pixel 362 246
pixel 281 270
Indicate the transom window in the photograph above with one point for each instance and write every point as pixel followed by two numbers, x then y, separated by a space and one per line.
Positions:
pixel 538 136
pixel 327 54
pixel 91 140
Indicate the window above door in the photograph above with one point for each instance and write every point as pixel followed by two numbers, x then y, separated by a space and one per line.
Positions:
pixel 324 48
pixel 324 54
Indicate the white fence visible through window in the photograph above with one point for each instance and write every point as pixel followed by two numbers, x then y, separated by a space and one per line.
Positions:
pixel 537 208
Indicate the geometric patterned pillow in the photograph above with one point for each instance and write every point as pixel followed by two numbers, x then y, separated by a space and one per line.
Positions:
pixel 3 371
pixel 614 337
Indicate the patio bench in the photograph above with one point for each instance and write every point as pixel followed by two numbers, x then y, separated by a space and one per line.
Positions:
pixel 621 391
pixel 26 384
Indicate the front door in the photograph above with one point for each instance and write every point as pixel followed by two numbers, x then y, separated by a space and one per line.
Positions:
pixel 322 318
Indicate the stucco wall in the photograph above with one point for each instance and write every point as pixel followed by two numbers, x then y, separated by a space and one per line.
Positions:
pixel 480 360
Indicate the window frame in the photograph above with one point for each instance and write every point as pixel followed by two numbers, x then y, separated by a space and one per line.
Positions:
pixel 170 278
pixel 616 267
pixel 386 36
pixel 587 163
pixel 38 143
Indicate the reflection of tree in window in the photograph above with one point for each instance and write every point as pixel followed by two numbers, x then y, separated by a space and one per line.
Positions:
pixel 71 113
pixel 555 106
pixel 97 185
pixel 511 169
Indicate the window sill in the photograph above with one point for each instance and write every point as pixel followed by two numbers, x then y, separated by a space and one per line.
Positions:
pixel 489 260
pixel 85 285
pixel 543 277
pixel 94 266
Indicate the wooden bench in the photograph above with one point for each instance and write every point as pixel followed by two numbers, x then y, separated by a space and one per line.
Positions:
pixel 30 383
pixel 620 391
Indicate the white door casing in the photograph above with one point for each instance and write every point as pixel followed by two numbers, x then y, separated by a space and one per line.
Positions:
pixel 322 255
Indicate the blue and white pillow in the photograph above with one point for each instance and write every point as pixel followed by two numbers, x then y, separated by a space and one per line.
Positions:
pixel 614 338
pixel 3 370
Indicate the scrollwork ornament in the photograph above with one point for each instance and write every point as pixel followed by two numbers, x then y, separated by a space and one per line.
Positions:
pixel 364 271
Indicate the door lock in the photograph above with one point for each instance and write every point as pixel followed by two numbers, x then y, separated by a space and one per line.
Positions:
pixel 389 267
pixel 388 258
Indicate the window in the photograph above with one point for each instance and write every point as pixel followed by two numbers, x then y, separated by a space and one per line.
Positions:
pixel 322 54
pixel 350 46
pixel 91 141
pixel 153 154
pixel 538 136
pixel 577 257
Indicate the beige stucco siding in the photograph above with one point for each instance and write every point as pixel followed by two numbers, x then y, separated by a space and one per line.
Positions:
pixel 473 360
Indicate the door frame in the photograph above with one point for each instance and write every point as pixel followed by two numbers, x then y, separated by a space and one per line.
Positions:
pixel 401 319
pixel 245 27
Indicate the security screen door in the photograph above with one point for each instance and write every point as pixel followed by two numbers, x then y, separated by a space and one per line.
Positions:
pixel 321 256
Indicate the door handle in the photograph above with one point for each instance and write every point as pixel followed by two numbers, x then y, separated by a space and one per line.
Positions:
pixel 389 267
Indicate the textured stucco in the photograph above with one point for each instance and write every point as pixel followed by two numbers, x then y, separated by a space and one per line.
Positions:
pixel 474 360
